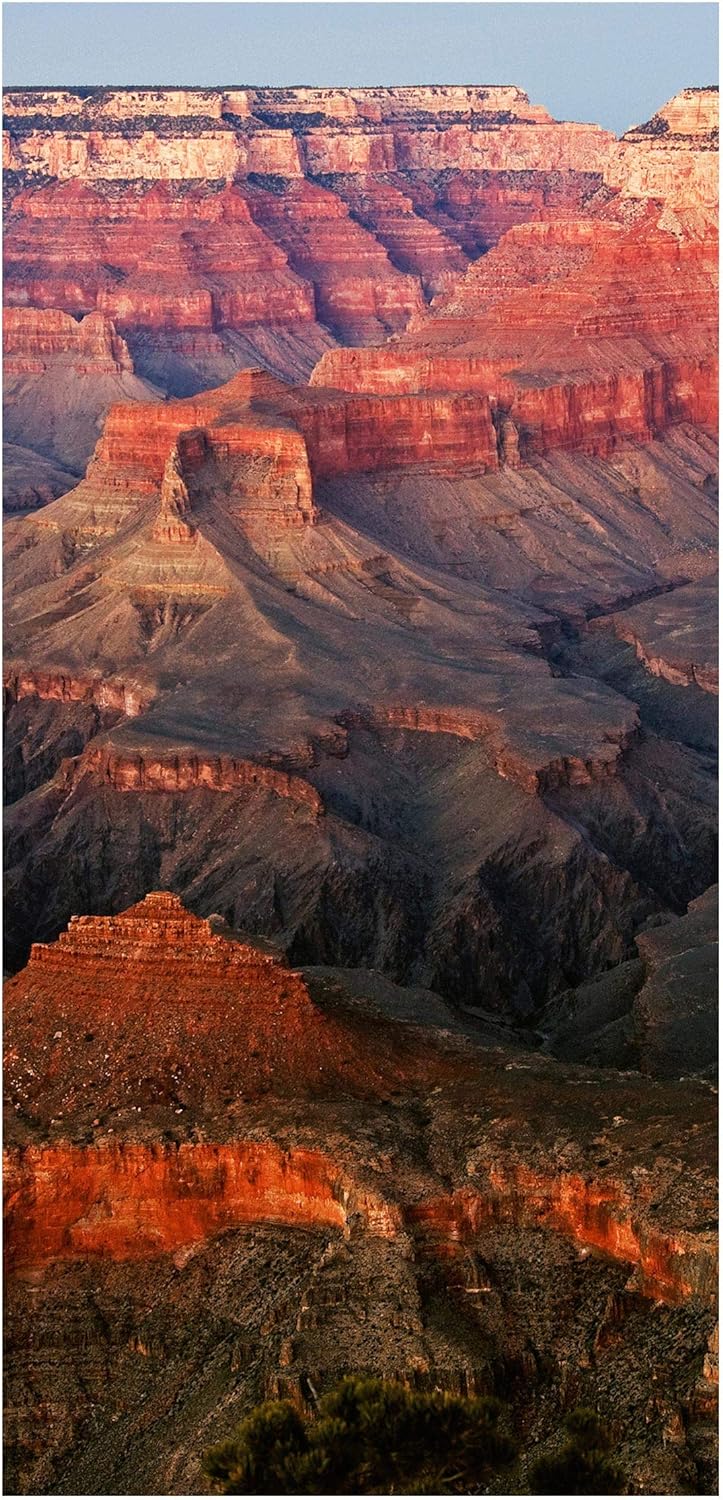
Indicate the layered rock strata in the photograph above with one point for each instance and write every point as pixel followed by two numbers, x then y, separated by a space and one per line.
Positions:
pixel 60 376
pixel 186 539
pixel 280 220
pixel 532 450
pixel 676 639
pixel 165 1135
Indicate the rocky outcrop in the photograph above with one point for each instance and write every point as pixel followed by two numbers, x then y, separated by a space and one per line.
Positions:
pixel 129 699
pixel 172 524
pixel 60 375
pixel 34 339
pixel 229 1022
pixel 264 444
pixel 627 349
pixel 158 1201
pixel 592 1213
pixel 215 994
pixel 359 293
pixel 513 755
pixel 676 636
pixel 139 772
pixel 155 1065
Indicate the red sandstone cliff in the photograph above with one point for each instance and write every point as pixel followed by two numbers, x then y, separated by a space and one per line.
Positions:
pixel 209 215
pixel 223 1022
pixel 155 1063
pixel 581 334
pixel 239 224
pixel 60 376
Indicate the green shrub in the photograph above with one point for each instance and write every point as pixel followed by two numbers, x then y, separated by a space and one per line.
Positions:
pixel 583 1465
pixel 369 1437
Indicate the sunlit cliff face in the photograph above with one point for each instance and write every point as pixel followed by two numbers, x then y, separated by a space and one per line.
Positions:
pixel 137 1198
pixel 364 597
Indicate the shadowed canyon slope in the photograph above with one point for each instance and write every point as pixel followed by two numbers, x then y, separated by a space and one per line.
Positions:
pixel 360 591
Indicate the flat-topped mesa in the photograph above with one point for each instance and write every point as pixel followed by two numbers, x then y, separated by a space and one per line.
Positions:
pixel 334 103
pixel 267 130
pixel 35 339
pixel 109 103
pixel 107 109
pixel 260 444
pixel 235 440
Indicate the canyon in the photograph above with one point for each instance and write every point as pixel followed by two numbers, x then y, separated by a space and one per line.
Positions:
pixel 360 727
pixel 380 1228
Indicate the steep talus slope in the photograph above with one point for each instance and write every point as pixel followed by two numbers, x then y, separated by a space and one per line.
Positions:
pixel 29 480
pixel 379 1233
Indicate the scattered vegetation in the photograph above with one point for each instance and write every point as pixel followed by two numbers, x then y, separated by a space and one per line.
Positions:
pixel 270 182
pixel 583 1465
pixel 295 120
pixel 368 1437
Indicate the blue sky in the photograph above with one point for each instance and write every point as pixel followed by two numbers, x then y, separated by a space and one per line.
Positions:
pixel 611 63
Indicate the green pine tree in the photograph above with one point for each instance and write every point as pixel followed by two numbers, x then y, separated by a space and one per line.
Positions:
pixel 583 1465
pixel 369 1437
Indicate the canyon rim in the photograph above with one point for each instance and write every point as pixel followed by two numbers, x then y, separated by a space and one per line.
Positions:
pixel 360 692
